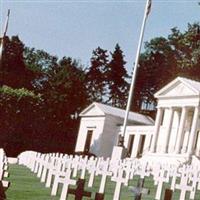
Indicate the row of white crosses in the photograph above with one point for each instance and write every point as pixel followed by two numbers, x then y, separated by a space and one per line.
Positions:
pixel 66 168
pixel 189 180
pixel 185 178
pixel 48 167
pixel 4 169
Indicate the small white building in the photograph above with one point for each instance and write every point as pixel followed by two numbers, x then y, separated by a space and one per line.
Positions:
pixel 100 127
pixel 176 132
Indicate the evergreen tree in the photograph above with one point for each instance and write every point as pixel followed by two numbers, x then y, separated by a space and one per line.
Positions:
pixel 116 75
pixel 14 72
pixel 96 75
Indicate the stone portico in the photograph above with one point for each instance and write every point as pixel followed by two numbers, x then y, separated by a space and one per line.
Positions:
pixel 177 125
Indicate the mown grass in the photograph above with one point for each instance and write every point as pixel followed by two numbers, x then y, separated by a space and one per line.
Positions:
pixel 26 186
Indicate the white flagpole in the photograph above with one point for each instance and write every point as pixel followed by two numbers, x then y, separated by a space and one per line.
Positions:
pixel 6 23
pixel 3 36
pixel 135 70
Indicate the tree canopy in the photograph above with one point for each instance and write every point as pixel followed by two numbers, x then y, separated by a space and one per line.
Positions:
pixel 163 60
pixel 14 72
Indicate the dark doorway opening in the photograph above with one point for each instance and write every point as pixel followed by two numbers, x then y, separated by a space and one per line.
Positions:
pixel 196 142
pixel 88 141
pixel 130 144
pixel 141 145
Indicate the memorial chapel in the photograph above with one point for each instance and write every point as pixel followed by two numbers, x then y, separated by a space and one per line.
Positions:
pixel 175 133
pixel 100 125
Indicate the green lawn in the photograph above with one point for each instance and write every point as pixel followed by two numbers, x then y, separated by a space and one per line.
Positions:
pixel 26 186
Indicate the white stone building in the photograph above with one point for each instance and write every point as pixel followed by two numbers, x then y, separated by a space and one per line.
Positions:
pixel 177 126
pixel 99 128
pixel 176 132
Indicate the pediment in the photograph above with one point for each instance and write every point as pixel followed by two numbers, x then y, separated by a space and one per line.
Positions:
pixel 92 110
pixel 177 88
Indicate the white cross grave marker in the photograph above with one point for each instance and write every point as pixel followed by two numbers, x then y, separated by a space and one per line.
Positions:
pixel 92 166
pixel 102 169
pixel 119 179
pixel 183 186
pixel 162 177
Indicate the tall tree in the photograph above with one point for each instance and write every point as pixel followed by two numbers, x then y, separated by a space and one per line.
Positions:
pixel 95 77
pixel 64 91
pixel 14 72
pixel 116 75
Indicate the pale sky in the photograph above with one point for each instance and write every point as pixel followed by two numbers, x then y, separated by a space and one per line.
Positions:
pixel 75 28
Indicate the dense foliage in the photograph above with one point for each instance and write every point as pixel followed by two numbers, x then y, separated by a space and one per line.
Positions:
pixel 163 60
pixel 14 72
pixel 39 93
pixel 20 119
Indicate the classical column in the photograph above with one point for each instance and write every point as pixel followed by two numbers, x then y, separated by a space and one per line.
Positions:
pixel 179 139
pixel 168 130
pixel 157 128
pixel 135 146
pixel 193 130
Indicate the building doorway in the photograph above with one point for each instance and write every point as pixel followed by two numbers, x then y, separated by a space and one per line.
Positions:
pixel 88 141
pixel 130 145
pixel 141 146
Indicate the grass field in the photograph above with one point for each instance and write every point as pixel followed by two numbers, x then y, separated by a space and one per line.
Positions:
pixel 26 186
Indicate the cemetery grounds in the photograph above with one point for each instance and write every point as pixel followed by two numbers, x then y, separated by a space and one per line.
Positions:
pixel 26 186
